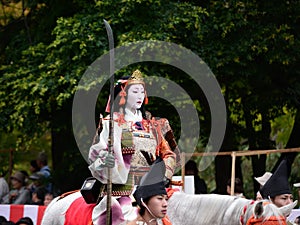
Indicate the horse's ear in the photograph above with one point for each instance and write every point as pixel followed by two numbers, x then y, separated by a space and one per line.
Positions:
pixel 258 209
pixel 286 210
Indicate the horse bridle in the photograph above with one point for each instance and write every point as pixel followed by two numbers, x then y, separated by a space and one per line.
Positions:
pixel 244 212
pixel 253 221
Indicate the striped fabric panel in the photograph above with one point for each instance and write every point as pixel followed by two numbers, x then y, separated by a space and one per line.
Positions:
pixel 15 212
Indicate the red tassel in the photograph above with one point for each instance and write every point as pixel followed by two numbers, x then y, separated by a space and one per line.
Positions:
pixel 121 119
pixel 122 99
pixel 146 98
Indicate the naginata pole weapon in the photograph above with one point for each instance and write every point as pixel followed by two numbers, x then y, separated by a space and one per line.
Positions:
pixel 111 121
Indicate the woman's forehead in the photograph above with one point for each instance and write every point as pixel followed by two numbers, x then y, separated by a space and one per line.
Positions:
pixel 136 87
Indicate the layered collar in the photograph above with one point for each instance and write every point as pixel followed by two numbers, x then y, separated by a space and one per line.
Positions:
pixel 133 117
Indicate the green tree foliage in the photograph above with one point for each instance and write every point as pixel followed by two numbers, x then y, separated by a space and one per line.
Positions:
pixel 251 46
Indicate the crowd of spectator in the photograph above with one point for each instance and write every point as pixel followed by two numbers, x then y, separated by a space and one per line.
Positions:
pixel 34 188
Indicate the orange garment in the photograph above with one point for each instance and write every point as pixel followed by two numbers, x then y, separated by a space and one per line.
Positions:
pixel 166 221
pixel 271 221
pixel 171 191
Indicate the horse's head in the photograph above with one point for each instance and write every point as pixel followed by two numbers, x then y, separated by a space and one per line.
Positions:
pixel 268 214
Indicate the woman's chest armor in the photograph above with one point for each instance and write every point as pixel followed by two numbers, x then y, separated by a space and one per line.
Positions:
pixel 143 142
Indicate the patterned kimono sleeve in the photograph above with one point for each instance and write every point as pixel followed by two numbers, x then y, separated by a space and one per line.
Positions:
pixel 169 150
pixel 97 151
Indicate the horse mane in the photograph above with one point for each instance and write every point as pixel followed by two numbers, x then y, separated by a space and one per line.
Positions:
pixel 207 209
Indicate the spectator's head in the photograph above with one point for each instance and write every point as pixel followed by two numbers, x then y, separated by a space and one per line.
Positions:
pixel 238 186
pixel 42 159
pixel 38 196
pixel 34 166
pixel 25 221
pixel 2 219
pixel 191 168
pixel 48 198
pixel 18 180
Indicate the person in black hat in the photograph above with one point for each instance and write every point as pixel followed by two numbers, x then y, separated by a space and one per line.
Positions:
pixel 277 188
pixel 151 197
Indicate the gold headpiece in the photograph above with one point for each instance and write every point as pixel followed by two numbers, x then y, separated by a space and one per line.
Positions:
pixel 136 78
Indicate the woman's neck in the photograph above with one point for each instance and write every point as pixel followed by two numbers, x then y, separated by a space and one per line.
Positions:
pixel 130 116
pixel 132 110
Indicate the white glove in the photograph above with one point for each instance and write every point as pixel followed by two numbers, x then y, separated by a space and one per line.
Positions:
pixel 104 159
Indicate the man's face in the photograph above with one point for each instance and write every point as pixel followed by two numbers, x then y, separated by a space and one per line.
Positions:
pixel 158 205
pixel 282 200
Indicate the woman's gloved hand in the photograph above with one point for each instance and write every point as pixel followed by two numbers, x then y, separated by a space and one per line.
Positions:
pixel 105 159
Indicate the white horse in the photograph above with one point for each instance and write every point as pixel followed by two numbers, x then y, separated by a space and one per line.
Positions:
pixel 185 209
pixel 213 209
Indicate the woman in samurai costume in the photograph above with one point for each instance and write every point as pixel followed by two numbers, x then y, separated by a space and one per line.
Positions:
pixel 138 140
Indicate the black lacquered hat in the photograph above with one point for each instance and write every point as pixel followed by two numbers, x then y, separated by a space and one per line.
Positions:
pixel 278 183
pixel 152 183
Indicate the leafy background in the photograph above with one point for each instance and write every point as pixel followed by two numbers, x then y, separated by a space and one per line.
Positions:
pixel 252 47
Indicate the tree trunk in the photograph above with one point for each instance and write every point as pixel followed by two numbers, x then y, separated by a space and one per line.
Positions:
pixel 223 163
pixel 258 161
pixel 293 142
pixel 69 167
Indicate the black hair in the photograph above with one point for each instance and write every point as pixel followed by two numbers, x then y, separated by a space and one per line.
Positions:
pixel 2 219
pixel 41 192
pixel 8 223
pixel 34 164
pixel 191 165
pixel 238 185
pixel 26 220
pixel 142 207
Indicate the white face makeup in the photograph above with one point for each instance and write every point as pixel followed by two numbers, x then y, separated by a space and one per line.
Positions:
pixel 135 97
